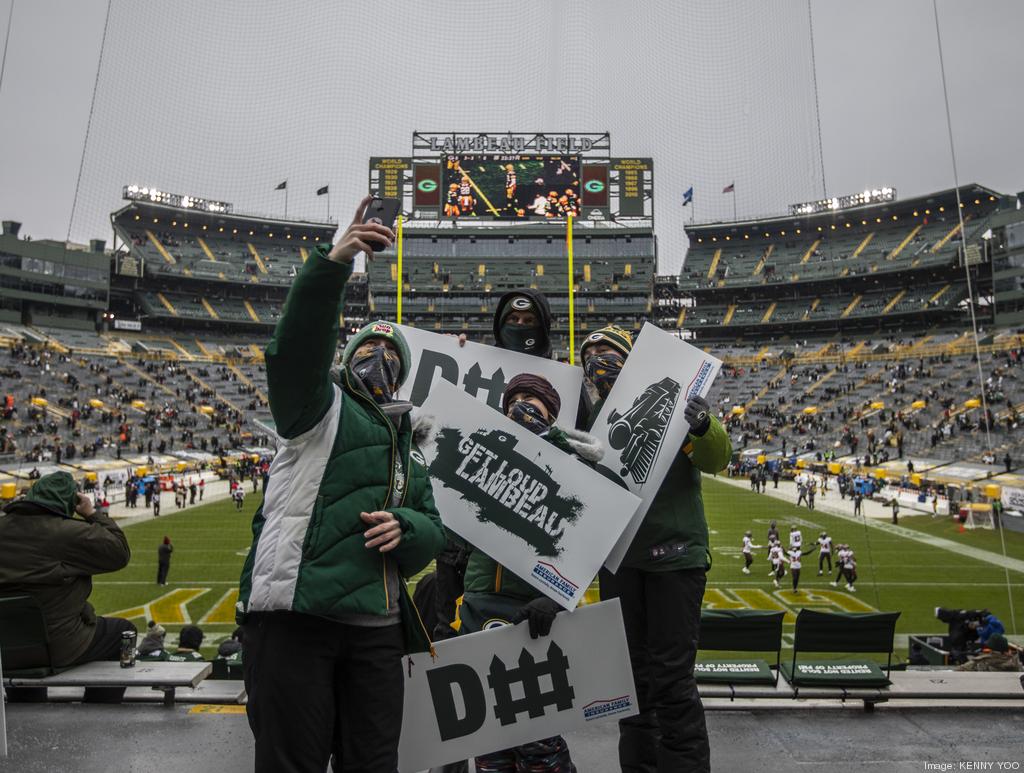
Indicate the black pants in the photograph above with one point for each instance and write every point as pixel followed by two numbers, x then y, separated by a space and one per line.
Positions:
pixel 795 574
pixel 161 572
pixel 748 559
pixel 318 688
pixel 661 611
pixel 822 559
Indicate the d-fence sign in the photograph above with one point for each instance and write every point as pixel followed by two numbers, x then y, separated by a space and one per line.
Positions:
pixel 492 690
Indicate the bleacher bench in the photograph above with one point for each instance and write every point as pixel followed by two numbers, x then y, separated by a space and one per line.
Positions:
pixel 160 676
pixel 25 655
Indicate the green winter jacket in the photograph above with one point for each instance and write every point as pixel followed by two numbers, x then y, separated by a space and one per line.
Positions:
pixel 338 456
pixel 483 573
pixel 674 532
pixel 48 554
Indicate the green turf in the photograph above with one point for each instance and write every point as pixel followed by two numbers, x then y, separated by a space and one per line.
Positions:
pixel 896 573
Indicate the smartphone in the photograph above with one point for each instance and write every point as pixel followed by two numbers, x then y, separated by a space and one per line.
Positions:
pixel 384 212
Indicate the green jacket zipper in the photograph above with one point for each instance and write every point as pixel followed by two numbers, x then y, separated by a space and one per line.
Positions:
pixel 405 491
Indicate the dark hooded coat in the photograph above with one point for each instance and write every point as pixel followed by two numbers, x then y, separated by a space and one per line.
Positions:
pixel 51 555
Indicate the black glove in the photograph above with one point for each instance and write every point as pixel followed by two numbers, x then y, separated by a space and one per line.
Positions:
pixel 698 413
pixel 540 613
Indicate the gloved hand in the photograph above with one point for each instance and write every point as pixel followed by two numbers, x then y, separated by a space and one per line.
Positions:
pixel 540 613
pixel 698 413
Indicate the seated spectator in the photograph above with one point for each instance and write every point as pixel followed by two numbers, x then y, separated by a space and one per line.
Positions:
pixel 990 626
pixel 189 641
pixel 996 656
pixel 231 649
pixel 152 646
pixel 48 554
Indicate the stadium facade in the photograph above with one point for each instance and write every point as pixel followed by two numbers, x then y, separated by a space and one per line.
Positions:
pixel 484 214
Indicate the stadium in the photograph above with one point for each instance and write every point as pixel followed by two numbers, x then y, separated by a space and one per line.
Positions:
pixel 870 341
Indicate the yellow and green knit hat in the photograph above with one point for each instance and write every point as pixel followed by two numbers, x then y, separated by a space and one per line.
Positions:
pixel 619 339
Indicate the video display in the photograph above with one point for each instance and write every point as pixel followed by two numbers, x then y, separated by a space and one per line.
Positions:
pixel 511 186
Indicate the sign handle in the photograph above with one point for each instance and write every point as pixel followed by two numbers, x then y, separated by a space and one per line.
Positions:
pixel 399 315
pixel 572 296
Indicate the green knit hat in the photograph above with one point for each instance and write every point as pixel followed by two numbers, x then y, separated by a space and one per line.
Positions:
pixel 617 338
pixel 388 331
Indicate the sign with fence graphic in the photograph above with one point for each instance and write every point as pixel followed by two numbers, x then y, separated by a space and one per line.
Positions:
pixel 499 688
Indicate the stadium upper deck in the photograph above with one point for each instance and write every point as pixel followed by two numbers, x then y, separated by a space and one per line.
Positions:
pixel 186 268
pixel 890 265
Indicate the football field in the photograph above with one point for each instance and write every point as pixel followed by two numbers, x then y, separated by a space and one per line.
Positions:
pixel 896 570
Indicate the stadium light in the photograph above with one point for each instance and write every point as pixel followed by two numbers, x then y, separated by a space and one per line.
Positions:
pixel 156 196
pixel 872 196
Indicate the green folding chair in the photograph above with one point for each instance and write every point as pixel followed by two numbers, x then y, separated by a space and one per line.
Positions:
pixel 24 646
pixel 740 630
pixel 841 632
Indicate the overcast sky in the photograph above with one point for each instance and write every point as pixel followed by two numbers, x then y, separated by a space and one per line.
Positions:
pixel 227 99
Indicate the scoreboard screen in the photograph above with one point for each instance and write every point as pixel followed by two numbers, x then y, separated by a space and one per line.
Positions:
pixel 510 186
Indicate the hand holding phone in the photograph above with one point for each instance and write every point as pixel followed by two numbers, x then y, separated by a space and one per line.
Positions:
pixel 368 232
pixel 382 212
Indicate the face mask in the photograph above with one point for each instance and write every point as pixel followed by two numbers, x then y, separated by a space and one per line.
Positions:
pixel 521 338
pixel 603 369
pixel 378 370
pixel 529 415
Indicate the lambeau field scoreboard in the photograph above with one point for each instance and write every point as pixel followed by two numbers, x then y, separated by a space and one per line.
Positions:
pixel 516 176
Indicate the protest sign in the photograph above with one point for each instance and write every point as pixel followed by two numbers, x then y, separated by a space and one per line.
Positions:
pixel 482 371
pixel 499 688
pixel 537 510
pixel 641 423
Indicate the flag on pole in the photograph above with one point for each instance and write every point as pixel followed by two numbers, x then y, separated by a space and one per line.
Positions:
pixel 730 188
pixel 322 191
pixel 688 196
pixel 282 186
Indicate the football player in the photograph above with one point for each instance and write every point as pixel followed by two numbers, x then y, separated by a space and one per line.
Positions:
pixel 748 548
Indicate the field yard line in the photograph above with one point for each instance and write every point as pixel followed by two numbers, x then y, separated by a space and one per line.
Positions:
pixel 986 556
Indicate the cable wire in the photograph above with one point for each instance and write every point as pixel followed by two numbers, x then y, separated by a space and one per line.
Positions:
pixel 970 290
pixel 88 125
pixel 817 108
pixel 7 39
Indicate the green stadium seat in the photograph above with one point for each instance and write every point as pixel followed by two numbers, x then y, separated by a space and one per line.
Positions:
pixel 841 632
pixel 739 630
pixel 24 646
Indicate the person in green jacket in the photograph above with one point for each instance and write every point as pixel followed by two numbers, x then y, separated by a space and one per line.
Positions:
pixel 48 553
pixel 660 583
pixel 348 515
pixel 494 596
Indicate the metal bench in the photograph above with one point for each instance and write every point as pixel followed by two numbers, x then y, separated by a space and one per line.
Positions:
pixel 162 676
